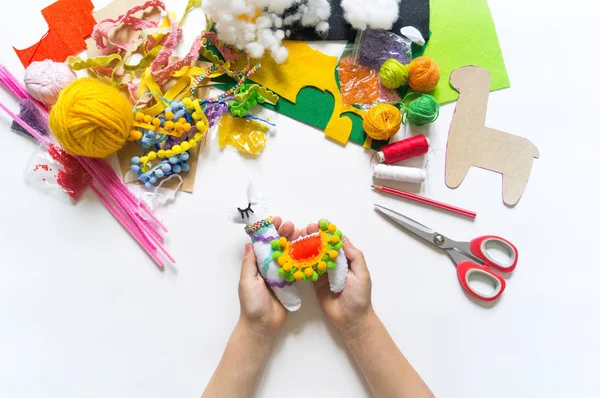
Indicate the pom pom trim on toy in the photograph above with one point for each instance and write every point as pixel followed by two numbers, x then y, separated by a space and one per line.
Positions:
pixel 308 257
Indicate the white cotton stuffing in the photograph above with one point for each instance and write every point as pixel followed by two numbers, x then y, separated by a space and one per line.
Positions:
pixel 310 13
pixel 280 55
pixel 263 22
pixel 322 27
pixel 279 34
pixel 261 30
pixel 277 21
pixel 279 6
pixel 374 14
pixel 255 49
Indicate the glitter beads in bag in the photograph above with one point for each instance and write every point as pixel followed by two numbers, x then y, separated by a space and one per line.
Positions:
pixel 373 47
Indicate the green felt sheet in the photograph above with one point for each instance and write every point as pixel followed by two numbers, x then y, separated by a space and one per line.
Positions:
pixel 464 34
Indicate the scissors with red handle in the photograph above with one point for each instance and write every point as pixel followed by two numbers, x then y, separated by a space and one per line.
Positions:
pixel 472 259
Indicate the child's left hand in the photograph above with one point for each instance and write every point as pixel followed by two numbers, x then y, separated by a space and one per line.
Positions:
pixel 260 309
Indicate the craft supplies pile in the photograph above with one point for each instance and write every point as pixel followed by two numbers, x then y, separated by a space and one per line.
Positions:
pixel 131 98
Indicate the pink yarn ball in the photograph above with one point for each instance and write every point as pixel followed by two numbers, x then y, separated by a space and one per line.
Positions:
pixel 46 79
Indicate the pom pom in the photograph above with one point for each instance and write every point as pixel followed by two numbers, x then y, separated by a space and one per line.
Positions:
pixel 393 74
pixel 382 121
pixel 423 74
pixel 91 119
pixel 45 80
pixel 323 225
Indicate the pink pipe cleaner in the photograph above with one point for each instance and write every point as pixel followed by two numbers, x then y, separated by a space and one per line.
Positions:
pixel 121 202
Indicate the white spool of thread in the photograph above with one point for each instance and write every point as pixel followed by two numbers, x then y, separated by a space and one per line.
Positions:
pixel 399 173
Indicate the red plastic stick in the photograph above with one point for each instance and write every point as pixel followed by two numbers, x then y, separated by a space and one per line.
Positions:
pixel 427 201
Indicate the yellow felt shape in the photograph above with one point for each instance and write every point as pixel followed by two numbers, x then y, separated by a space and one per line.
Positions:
pixel 306 67
pixel 245 135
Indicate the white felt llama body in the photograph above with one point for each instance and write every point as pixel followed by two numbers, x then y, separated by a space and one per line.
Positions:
pixel 254 213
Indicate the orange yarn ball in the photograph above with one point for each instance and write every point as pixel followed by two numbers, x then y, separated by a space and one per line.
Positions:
pixel 423 75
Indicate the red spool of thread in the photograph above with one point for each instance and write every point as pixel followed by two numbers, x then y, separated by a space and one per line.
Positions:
pixel 403 149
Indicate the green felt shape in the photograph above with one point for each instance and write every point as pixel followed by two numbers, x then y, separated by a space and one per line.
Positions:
pixel 313 107
pixel 464 34
pixel 246 90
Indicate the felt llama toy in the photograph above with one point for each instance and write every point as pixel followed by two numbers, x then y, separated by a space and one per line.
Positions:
pixel 282 262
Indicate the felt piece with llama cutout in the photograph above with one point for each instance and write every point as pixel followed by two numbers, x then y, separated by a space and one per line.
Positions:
pixel 471 143
pixel 281 262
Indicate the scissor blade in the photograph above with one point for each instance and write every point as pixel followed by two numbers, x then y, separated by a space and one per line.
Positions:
pixel 408 223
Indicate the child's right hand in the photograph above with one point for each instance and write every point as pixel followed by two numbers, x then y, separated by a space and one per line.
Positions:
pixel 351 309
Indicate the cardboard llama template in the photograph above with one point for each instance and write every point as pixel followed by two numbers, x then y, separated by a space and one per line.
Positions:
pixel 471 143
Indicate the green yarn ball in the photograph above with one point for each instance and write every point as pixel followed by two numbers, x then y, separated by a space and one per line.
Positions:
pixel 423 110
pixel 393 74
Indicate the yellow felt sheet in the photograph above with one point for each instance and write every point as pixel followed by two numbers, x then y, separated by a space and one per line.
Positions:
pixel 306 67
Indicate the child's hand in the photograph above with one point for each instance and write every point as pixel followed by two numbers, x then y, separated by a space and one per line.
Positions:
pixel 351 308
pixel 260 309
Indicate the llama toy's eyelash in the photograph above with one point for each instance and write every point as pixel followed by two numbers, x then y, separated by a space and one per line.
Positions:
pixel 246 212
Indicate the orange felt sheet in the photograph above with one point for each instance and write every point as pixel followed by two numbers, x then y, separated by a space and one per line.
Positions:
pixel 69 23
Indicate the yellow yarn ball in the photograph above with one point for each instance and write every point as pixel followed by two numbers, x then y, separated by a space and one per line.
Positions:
pixel 91 119
pixel 382 121
pixel 393 73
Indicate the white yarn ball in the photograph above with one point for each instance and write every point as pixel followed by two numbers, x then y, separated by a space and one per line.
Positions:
pixel 46 79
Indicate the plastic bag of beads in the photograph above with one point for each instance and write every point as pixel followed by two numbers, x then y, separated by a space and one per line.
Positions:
pixel 357 91
pixel 358 84
pixel 373 47
pixel 244 134
pixel 53 170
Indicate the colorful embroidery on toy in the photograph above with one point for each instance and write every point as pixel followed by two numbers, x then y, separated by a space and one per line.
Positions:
pixel 250 229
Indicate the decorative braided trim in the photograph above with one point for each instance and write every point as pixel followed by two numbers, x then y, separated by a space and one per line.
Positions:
pixel 250 229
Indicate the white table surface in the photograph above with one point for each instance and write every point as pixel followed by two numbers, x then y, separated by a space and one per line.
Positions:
pixel 83 311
